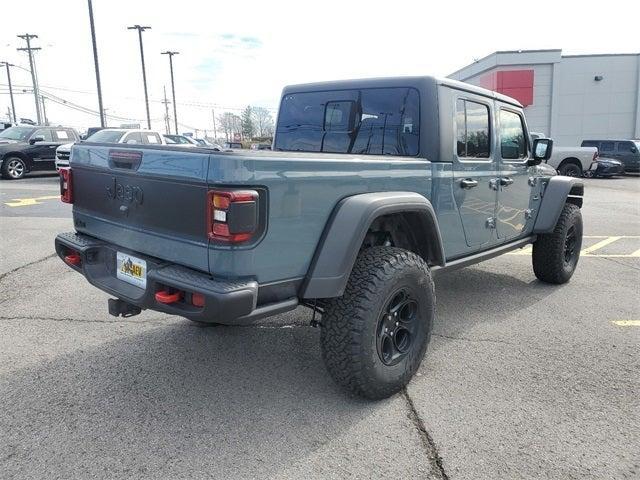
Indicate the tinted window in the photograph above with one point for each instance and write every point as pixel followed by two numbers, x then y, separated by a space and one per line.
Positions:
pixel 106 136
pixel 43 132
pixel 134 137
pixel 587 143
pixel 512 141
pixel 606 146
pixel 624 147
pixel 377 121
pixel 472 129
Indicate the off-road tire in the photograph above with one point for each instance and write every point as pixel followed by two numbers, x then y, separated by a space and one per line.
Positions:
pixel 570 170
pixel 549 257
pixel 9 171
pixel 350 324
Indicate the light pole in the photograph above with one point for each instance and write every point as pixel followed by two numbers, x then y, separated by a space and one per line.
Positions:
pixel 97 68
pixel 144 73
pixel 13 106
pixel 173 87
pixel 30 50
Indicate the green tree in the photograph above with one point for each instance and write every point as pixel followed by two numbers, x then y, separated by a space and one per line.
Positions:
pixel 248 127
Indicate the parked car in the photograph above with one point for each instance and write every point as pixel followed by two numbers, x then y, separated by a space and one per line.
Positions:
pixel 110 135
pixel 605 167
pixel 374 187
pixel 91 131
pixel 626 151
pixel 570 161
pixel 260 146
pixel 233 145
pixel 27 148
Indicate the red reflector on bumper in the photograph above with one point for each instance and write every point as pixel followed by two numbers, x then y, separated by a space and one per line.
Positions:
pixel 197 300
pixel 73 259
pixel 166 297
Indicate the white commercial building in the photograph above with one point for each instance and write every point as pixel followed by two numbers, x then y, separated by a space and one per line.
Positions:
pixel 567 97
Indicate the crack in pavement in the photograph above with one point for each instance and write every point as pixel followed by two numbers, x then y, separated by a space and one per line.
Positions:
pixel 6 274
pixel 432 450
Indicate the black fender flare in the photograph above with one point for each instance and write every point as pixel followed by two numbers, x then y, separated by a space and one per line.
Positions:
pixel 345 231
pixel 558 191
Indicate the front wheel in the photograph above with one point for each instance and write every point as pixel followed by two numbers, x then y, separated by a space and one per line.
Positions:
pixel 556 254
pixel 13 168
pixel 374 337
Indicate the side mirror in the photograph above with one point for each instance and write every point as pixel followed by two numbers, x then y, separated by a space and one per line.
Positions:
pixel 542 148
pixel 37 138
pixel 634 150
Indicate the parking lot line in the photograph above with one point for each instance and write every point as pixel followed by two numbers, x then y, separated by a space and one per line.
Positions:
pixel 25 202
pixel 626 323
pixel 592 250
pixel 599 245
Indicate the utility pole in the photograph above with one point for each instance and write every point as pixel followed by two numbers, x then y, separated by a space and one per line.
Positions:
pixel 213 114
pixel 103 122
pixel 44 111
pixel 13 106
pixel 166 111
pixel 173 87
pixel 27 37
pixel 144 73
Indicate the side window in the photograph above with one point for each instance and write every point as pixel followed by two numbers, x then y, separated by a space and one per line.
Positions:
pixel 133 137
pixel 513 145
pixel 606 147
pixel 590 144
pixel 151 138
pixel 472 129
pixel 63 136
pixel 624 147
pixel 43 132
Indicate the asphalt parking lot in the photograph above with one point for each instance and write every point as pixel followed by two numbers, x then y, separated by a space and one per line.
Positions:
pixel 522 379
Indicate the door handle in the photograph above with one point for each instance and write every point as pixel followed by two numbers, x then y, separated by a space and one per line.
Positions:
pixel 506 181
pixel 468 183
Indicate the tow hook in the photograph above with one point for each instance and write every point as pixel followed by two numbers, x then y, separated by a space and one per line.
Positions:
pixel 119 307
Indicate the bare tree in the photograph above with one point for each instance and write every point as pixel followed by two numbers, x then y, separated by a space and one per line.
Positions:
pixel 227 122
pixel 263 121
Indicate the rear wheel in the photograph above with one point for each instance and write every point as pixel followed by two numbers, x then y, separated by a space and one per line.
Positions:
pixel 13 168
pixel 570 170
pixel 374 337
pixel 556 254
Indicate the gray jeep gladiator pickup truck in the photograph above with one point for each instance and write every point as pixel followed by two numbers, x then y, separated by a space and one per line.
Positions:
pixel 372 187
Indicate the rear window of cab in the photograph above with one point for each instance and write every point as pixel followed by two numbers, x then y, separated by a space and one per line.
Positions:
pixel 374 121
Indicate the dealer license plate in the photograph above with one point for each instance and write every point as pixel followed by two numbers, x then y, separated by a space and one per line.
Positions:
pixel 131 270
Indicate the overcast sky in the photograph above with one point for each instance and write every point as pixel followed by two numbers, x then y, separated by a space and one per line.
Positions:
pixel 243 52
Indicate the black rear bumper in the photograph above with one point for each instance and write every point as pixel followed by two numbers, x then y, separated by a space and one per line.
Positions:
pixel 225 301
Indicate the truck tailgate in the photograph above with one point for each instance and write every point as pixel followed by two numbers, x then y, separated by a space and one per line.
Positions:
pixel 149 200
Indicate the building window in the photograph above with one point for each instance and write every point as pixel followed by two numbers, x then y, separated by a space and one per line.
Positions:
pixel 472 129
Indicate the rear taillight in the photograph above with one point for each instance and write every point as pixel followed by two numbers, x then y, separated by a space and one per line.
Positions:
pixel 232 215
pixel 66 185
pixel 595 156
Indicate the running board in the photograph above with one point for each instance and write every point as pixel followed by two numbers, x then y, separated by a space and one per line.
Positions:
pixel 482 256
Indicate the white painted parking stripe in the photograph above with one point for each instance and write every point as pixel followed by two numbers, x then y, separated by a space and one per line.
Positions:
pixel 599 245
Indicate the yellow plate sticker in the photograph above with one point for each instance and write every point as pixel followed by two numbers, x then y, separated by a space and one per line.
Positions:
pixel 131 269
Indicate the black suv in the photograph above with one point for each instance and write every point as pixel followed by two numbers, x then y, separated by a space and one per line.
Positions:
pixel 28 148
pixel 626 151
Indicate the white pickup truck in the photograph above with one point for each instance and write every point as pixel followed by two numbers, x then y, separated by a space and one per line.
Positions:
pixel 570 161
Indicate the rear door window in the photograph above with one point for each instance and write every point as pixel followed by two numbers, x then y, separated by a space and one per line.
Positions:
pixel 63 136
pixel 151 138
pixel 472 129
pixel 375 121
pixel 606 146
pixel 133 137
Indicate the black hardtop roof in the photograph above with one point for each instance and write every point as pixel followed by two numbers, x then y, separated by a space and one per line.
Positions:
pixel 419 83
